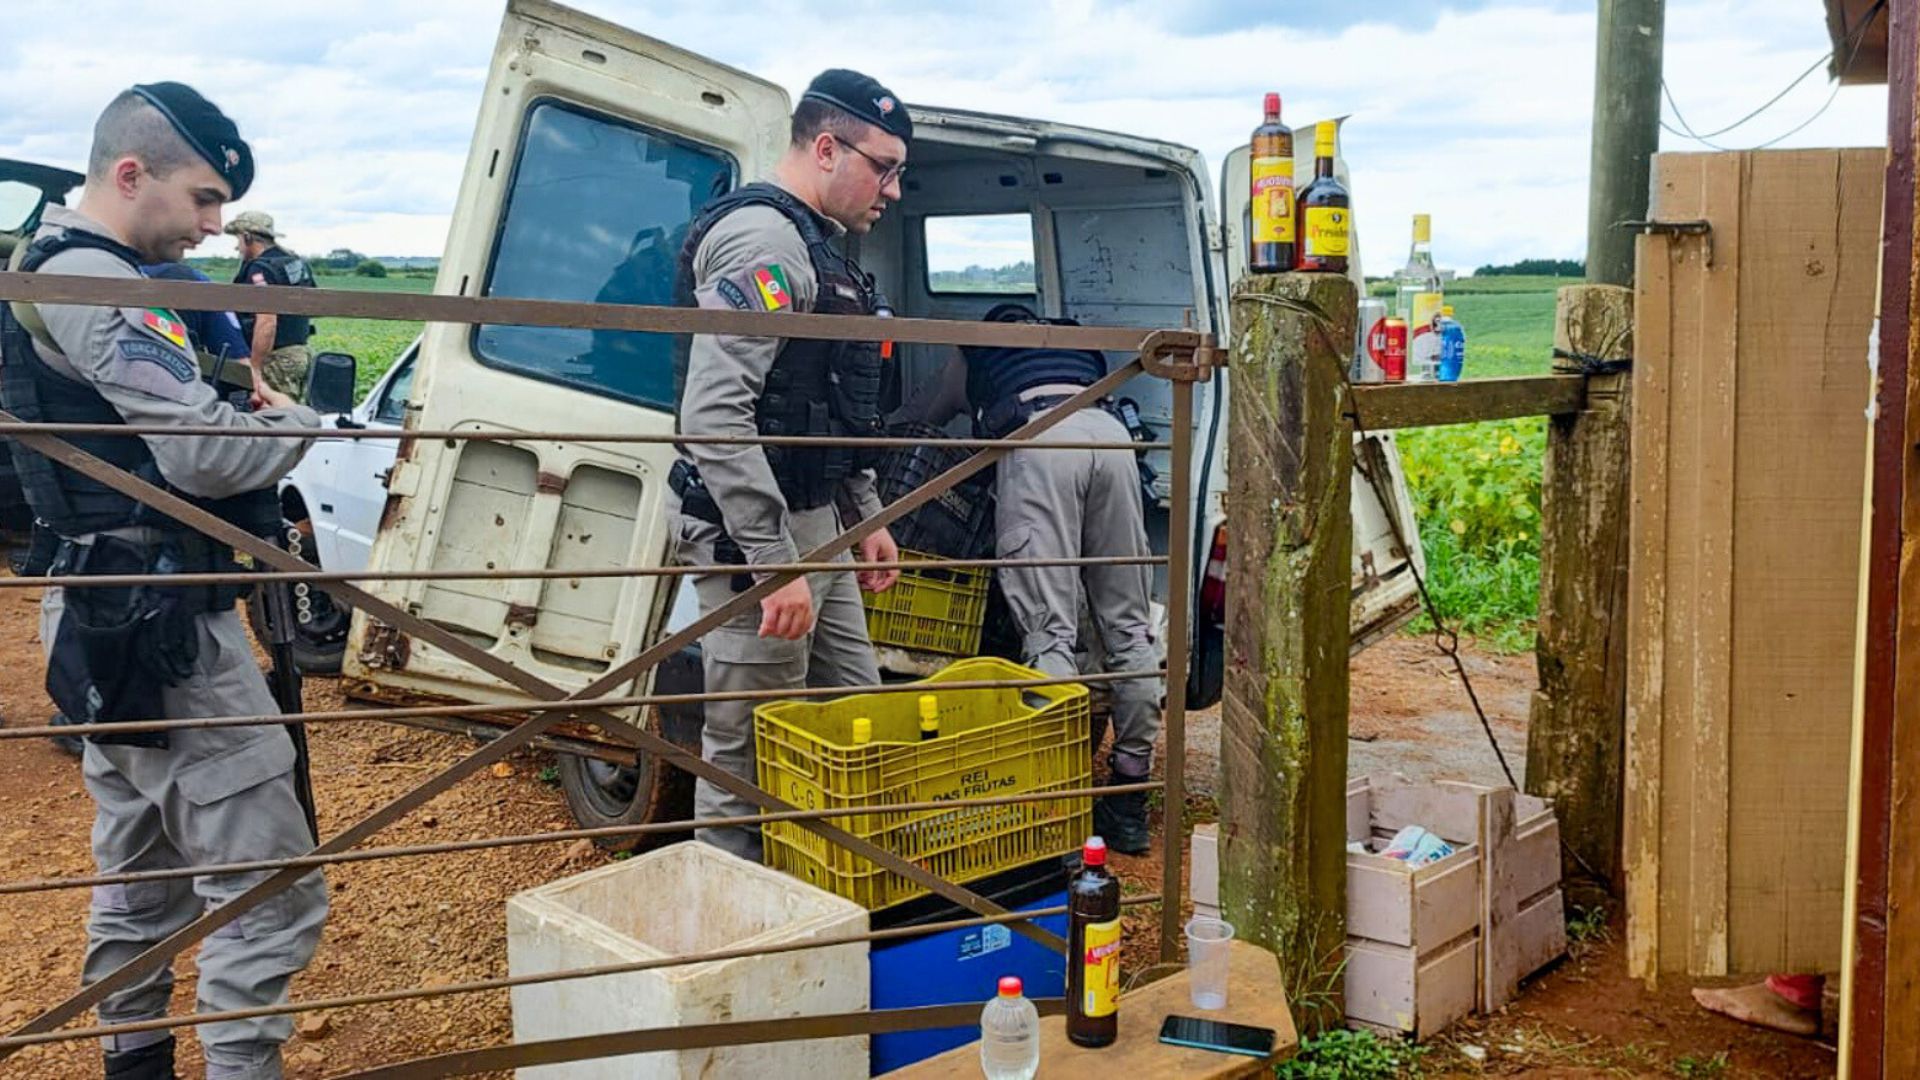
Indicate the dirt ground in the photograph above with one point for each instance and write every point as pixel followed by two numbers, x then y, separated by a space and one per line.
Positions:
pixel 433 921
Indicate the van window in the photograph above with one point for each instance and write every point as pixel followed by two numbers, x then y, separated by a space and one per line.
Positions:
pixel 980 253
pixel 596 210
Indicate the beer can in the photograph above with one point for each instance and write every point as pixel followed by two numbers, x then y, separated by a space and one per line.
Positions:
pixel 1387 347
pixel 1371 311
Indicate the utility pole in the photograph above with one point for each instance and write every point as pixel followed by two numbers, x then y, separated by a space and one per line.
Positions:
pixel 1626 132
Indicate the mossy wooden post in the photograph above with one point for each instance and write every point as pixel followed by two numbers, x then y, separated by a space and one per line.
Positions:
pixel 1576 731
pixel 1283 759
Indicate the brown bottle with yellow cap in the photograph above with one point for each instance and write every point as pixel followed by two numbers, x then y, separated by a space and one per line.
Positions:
pixel 1326 210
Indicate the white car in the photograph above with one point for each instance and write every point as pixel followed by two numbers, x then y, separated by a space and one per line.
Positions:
pixel 332 502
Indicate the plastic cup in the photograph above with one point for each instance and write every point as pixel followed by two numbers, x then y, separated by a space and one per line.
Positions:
pixel 1208 940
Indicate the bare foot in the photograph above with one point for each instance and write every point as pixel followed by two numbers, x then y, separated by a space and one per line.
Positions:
pixel 1756 1004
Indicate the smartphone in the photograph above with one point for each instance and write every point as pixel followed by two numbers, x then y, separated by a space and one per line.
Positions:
pixel 1217 1035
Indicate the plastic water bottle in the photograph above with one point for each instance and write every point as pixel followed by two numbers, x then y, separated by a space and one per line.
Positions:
pixel 1010 1034
pixel 1453 345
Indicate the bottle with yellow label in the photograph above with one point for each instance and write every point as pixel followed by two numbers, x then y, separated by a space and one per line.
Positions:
pixel 1270 226
pixel 1326 210
pixel 929 718
pixel 1093 950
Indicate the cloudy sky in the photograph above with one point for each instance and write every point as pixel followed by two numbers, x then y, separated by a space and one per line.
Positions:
pixel 1473 110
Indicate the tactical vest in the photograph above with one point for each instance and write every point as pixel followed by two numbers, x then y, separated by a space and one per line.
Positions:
pixel 997 376
pixel 69 502
pixel 814 387
pixel 283 268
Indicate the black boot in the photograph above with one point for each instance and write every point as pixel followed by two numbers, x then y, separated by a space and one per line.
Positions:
pixel 147 1063
pixel 1121 820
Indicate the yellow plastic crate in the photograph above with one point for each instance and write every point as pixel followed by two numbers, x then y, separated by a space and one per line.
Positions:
pixel 992 742
pixel 935 610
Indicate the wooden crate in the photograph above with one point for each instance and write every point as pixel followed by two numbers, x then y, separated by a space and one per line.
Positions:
pixel 1428 945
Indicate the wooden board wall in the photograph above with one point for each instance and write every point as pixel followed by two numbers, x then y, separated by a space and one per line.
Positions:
pixel 1749 451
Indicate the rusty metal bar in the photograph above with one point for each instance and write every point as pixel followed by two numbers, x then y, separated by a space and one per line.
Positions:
pixel 605 832
pixel 1179 641
pixel 507 311
pixel 568 705
pixel 383 997
pixel 877 442
pixel 518 1056
pixel 244 577
pixel 194 517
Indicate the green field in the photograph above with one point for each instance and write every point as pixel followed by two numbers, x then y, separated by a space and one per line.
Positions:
pixel 375 342
pixel 1476 487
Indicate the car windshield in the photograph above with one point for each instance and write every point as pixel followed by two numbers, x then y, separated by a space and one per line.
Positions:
pixel 596 210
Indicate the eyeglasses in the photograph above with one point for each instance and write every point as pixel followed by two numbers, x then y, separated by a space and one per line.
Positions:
pixel 889 171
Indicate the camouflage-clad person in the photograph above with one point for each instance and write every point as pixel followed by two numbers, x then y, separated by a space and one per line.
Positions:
pixel 279 342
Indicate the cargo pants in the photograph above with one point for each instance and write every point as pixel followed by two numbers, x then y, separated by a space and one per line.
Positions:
pixel 212 796
pixel 735 657
pixel 1072 504
pixel 285 369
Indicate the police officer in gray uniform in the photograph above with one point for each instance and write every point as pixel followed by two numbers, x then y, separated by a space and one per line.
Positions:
pixel 1060 504
pixel 164 161
pixel 775 246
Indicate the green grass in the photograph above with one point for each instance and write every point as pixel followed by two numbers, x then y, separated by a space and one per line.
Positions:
pixel 375 342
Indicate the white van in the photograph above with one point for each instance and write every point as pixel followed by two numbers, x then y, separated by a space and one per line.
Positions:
pixel 595 147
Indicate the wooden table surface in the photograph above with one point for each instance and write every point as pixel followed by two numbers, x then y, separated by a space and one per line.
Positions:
pixel 1255 996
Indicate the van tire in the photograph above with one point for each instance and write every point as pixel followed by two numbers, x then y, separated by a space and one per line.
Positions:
pixel 600 794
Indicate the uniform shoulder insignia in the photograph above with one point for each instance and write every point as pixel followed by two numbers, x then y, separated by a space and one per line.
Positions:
pixel 152 352
pixel 166 324
pixel 732 294
pixel 259 278
pixel 771 280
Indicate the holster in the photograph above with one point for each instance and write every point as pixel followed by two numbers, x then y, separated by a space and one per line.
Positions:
pixel 697 502
pixel 117 647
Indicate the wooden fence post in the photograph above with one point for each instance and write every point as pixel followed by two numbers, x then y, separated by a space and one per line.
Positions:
pixel 1284 717
pixel 1576 730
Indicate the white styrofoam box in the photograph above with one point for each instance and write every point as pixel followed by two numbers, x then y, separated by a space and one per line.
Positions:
pixel 681 899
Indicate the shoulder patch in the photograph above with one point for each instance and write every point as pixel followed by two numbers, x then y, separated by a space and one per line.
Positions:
pixel 259 278
pixel 732 294
pixel 134 350
pixel 166 324
pixel 771 281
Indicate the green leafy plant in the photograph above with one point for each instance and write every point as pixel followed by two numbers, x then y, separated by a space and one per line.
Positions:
pixel 550 776
pixel 1476 494
pixel 1587 929
pixel 1340 1054
pixel 1696 1067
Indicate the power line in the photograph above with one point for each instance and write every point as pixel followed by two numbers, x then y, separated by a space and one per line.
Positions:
pixel 1853 39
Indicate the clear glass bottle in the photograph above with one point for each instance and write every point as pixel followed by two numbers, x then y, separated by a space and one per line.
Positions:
pixel 1417 300
pixel 1010 1034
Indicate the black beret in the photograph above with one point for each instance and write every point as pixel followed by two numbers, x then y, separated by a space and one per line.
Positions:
pixel 864 97
pixel 205 128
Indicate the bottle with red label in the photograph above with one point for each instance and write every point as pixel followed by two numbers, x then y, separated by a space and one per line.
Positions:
pixel 1326 210
pixel 1270 235
pixel 1093 950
